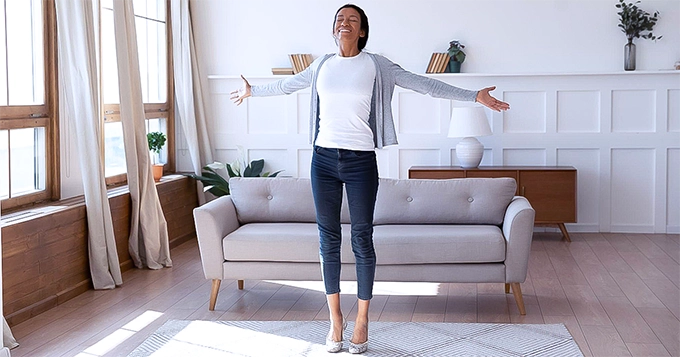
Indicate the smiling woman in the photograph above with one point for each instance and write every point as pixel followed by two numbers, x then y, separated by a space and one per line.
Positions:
pixel 351 115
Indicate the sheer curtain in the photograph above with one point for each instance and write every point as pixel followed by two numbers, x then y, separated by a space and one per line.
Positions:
pixel 148 241
pixel 189 93
pixel 79 104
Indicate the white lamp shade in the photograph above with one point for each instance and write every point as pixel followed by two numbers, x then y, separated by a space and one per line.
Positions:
pixel 468 122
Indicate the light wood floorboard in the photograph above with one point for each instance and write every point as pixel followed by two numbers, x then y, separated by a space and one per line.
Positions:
pixel 618 294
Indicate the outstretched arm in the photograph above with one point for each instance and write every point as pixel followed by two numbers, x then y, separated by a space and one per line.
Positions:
pixel 439 89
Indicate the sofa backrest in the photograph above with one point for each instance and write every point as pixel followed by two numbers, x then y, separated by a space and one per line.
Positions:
pixel 280 199
pixel 453 201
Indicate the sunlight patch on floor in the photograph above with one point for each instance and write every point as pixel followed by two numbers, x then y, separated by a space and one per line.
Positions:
pixel 119 336
pixel 206 338
pixel 379 287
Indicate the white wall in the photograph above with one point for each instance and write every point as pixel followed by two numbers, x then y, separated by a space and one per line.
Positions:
pixel 502 36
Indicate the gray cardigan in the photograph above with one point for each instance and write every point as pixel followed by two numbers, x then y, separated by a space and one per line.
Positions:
pixel 387 75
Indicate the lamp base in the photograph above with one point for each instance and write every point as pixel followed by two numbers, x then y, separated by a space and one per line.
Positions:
pixel 469 152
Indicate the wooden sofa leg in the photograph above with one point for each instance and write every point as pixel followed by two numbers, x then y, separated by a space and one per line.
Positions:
pixel 213 293
pixel 507 288
pixel 517 292
pixel 240 284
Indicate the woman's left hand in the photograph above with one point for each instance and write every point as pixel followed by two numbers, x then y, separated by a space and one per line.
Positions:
pixel 484 98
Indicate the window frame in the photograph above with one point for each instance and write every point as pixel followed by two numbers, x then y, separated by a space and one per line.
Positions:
pixel 111 112
pixel 45 116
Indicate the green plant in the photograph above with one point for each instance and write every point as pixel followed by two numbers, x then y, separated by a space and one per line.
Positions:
pixel 634 21
pixel 456 51
pixel 156 140
pixel 216 184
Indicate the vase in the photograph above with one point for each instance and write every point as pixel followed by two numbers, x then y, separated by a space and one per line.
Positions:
pixel 453 67
pixel 629 56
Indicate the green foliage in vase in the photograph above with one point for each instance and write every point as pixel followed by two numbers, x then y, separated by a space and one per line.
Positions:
pixel 455 51
pixel 635 21
pixel 156 140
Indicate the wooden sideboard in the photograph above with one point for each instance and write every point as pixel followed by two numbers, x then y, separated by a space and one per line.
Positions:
pixel 551 190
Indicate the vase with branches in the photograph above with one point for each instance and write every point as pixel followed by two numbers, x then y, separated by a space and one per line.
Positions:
pixel 635 23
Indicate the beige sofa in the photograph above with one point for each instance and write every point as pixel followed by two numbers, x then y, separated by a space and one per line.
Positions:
pixel 470 230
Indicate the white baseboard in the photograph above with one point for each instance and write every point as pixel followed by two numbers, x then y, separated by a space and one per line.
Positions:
pixel 629 228
pixel 672 229
pixel 571 227
pixel 4 352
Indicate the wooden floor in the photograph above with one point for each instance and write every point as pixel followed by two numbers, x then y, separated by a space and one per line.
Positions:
pixel 616 293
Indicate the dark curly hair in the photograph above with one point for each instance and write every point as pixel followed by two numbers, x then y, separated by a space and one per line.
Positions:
pixel 364 23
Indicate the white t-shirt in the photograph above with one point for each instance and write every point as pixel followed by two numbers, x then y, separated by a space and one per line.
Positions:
pixel 345 87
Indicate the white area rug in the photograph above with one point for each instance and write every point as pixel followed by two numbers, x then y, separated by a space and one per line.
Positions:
pixel 389 339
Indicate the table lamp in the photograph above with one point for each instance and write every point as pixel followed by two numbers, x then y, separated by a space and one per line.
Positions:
pixel 467 123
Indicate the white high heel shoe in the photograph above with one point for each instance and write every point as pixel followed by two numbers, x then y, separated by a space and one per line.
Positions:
pixel 335 346
pixel 358 348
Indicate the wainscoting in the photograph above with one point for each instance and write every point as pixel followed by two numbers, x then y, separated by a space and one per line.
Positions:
pixel 620 130
pixel 45 252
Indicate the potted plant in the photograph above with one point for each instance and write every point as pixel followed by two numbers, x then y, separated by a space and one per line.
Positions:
pixel 156 140
pixel 214 183
pixel 634 22
pixel 456 56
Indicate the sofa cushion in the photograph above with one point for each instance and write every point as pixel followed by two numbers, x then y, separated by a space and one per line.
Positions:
pixel 454 201
pixel 438 244
pixel 278 242
pixel 280 199
pixel 394 244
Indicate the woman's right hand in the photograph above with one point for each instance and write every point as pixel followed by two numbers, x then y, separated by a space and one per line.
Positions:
pixel 242 93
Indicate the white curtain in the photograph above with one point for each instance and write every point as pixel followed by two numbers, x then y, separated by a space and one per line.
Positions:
pixel 189 93
pixel 79 100
pixel 148 241
pixel 8 339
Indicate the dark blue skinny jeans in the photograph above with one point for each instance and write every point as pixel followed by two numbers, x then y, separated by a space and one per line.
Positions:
pixel 358 172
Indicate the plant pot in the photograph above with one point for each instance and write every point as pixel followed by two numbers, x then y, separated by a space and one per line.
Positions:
pixel 629 56
pixel 453 67
pixel 157 170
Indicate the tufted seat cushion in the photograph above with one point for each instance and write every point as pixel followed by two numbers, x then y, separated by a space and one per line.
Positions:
pixel 454 201
pixel 281 199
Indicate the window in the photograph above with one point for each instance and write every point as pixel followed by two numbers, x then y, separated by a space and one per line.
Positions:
pixel 154 58
pixel 28 123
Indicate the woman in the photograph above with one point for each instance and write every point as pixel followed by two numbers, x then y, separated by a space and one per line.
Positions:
pixel 350 117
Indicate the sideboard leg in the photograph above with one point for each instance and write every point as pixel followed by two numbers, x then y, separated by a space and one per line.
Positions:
pixel 507 288
pixel 565 234
pixel 240 284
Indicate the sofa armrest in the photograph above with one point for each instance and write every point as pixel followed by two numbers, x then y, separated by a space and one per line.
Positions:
pixel 518 229
pixel 214 220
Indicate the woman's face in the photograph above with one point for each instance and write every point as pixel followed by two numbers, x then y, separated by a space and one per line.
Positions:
pixel 348 26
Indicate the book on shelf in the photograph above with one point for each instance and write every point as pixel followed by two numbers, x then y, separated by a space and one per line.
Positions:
pixel 442 63
pixel 280 71
pixel 300 61
pixel 430 66
pixel 438 62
